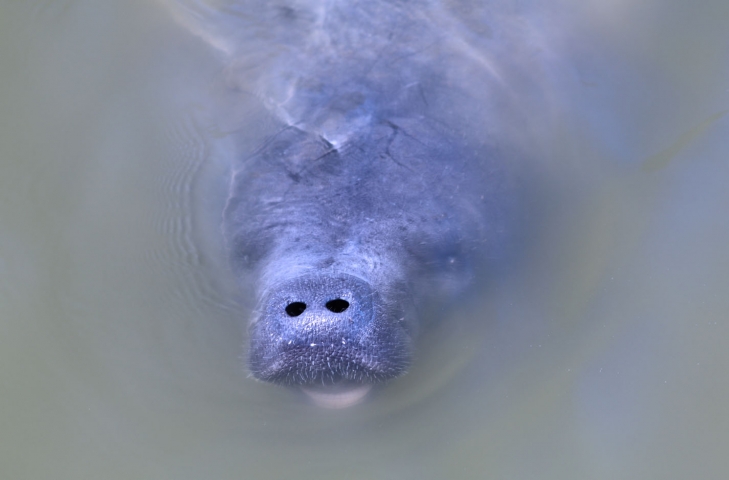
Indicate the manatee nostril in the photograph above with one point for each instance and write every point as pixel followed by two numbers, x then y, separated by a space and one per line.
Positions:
pixel 337 305
pixel 294 309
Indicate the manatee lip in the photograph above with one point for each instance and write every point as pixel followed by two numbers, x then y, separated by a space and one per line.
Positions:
pixel 337 396
pixel 330 365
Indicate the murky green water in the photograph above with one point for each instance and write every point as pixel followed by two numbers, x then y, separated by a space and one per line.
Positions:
pixel 602 353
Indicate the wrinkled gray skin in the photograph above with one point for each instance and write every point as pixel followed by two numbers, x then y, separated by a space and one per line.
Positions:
pixel 376 192
pixel 378 222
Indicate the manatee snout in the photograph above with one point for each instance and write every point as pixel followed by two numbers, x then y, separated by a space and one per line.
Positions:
pixel 328 330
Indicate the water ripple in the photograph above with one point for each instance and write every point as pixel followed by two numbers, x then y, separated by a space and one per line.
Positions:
pixel 189 219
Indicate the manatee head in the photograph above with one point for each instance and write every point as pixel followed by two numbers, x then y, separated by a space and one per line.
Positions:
pixel 346 247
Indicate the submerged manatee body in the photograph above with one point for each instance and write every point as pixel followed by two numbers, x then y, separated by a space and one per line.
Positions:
pixel 377 191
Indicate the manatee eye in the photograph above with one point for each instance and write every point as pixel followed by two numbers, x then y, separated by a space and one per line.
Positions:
pixel 294 309
pixel 337 305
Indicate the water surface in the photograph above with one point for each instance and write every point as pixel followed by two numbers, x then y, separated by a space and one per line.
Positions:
pixel 599 352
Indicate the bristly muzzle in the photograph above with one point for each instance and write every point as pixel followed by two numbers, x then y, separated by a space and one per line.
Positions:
pixel 325 330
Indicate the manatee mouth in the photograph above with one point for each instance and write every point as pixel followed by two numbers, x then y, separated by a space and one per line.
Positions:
pixel 328 333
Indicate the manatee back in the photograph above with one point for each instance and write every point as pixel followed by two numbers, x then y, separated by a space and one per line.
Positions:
pixel 333 67
pixel 381 148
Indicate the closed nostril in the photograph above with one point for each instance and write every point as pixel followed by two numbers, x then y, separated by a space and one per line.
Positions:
pixel 294 309
pixel 337 305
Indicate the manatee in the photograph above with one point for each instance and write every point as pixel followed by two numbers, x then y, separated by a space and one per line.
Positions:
pixel 374 195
